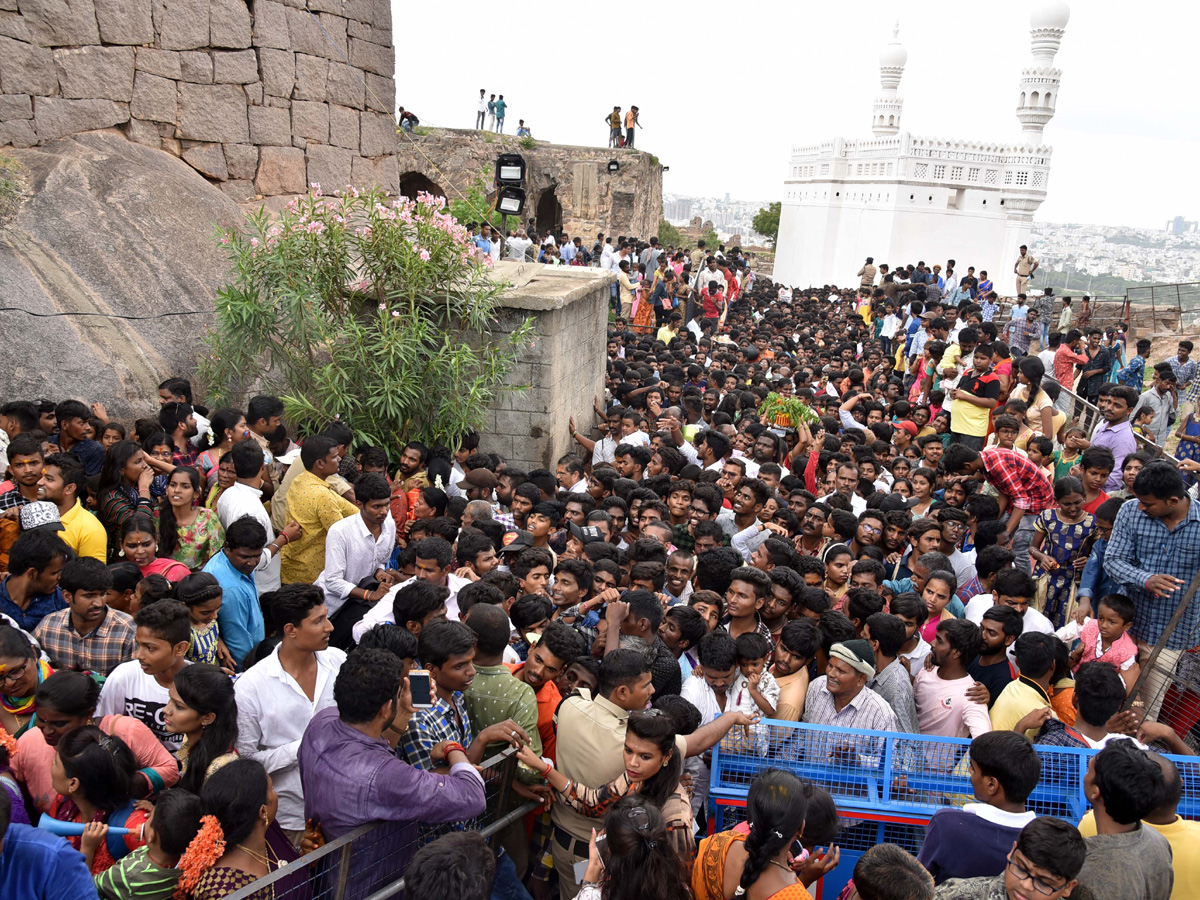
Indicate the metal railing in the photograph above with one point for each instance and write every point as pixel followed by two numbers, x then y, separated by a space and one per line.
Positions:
pixel 1165 309
pixel 1088 416
pixel 369 862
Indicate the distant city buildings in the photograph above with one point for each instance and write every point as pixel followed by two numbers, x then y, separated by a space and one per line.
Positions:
pixel 728 216
pixel 1134 254
pixel 1179 225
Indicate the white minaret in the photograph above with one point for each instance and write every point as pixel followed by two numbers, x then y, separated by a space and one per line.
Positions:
pixel 1039 82
pixel 886 117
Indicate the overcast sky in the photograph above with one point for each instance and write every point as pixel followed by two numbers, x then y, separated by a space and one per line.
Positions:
pixel 724 97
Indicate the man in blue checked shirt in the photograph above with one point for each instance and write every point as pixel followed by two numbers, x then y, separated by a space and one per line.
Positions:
pixel 1153 553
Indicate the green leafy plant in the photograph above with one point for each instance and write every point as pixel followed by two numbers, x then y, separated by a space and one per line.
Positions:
pixel 527 142
pixel 478 203
pixel 361 307
pixel 766 222
pixel 787 411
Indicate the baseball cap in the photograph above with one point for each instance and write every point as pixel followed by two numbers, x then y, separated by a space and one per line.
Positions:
pixel 910 427
pixel 481 478
pixel 40 514
pixel 585 534
pixel 516 541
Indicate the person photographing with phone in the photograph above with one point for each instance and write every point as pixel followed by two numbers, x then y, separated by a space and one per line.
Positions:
pixel 351 776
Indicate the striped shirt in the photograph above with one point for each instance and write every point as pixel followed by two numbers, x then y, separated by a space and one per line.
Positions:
pixel 137 877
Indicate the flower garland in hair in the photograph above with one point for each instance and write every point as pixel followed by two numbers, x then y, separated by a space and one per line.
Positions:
pixel 8 743
pixel 201 854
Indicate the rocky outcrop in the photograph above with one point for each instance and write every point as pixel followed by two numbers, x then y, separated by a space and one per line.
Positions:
pixel 209 81
pixel 111 229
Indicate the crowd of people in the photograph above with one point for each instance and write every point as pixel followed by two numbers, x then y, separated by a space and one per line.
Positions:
pixel 852 508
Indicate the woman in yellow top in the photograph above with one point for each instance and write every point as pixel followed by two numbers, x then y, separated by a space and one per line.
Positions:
pixel 1039 414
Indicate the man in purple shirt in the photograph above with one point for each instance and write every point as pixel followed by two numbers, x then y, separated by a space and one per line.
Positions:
pixel 1115 403
pixel 351 776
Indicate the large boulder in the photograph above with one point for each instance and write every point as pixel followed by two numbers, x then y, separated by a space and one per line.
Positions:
pixel 115 228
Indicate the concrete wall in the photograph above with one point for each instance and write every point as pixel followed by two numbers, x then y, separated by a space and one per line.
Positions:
pixel 564 367
pixel 593 200
pixel 259 97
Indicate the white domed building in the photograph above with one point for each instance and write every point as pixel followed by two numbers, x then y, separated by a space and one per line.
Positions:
pixel 900 198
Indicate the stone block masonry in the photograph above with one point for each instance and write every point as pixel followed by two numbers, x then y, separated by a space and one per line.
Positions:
pixel 563 369
pixel 258 96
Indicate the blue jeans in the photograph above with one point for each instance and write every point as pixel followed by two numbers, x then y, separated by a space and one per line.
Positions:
pixel 507 886
pixel 1045 335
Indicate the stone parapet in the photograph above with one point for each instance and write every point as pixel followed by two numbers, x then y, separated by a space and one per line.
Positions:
pixel 562 368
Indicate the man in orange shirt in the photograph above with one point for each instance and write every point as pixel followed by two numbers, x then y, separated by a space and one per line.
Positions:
pixel 559 646
pixel 1066 357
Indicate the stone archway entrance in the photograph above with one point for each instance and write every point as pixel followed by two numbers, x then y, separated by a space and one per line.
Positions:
pixel 412 183
pixel 549 212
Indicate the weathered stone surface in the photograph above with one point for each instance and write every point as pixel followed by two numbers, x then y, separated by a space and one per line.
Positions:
pixel 239 190
pixel 164 63
pixel 310 121
pixel 196 67
pixel 277 71
pixel 18 132
pixel 239 67
pixel 15 106
pixel 242 160
pixel 154 98
pixel 55 117
pixel 207 159
pixel 343 127
pixel 380 172
pixel 344 86
pixel 335 31
pixel 8 5
pixel 26 69
pixel 13 25
pixel 378 135
pixel 281 170
pixel 277 102
pixel 95 73
pixel 213 113
pixel 124 21
pixel 305 36
pixel 328 6
pixel 254 94
pixel 271 25
pixel 229 24
pixel 61 22
pixel 183 24
pixel 145 133
pixel 362 10
pixel 312 78
pixel 270 126
pixel 372 57
pixel 329 166
pixel 381 93
pixel 121 229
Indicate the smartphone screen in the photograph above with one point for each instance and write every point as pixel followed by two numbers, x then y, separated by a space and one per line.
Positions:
pixel 422 690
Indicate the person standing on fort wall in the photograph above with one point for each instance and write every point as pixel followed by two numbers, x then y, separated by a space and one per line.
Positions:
pixel 1024 268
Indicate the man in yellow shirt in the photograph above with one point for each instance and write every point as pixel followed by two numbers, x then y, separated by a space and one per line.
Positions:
pixel 63 482
pixel 1031 690
pixel 668 332
pixel 312 503
pixel 1183 835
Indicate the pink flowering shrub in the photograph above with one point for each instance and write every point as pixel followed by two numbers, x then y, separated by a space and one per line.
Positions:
pixel 374 309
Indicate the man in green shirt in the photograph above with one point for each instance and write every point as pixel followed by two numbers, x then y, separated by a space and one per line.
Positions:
pixel 501 106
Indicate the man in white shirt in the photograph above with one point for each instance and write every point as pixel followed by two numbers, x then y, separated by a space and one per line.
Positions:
pixel 518 244
pixel 277 697
pixel 435 562
pixel 481 109
pixel 244 498
pixel 357 550
pixel 1015 589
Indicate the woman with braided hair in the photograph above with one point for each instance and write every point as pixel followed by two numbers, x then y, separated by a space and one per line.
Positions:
pixel 757 866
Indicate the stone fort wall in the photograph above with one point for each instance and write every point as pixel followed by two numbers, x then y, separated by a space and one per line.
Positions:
pixel 566 186
pixel 259 97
